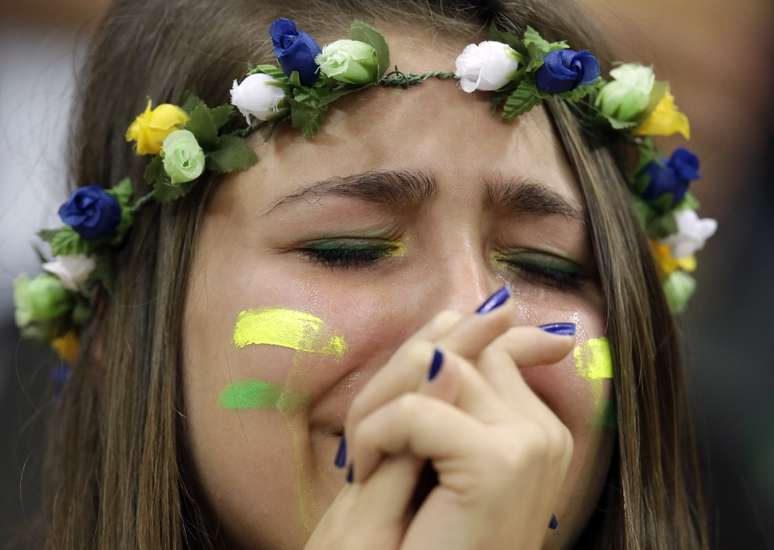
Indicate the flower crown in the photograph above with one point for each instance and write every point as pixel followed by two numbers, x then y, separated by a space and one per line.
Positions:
pixel 183 142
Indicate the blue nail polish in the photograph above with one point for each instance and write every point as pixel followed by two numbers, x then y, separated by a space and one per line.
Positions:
pixel 351 473
pixel 341 454
pixel 554 522
pixel 494 301
pixel 562 329
pixel 435 366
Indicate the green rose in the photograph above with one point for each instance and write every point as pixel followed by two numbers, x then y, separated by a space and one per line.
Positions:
pixel 183 157
pixel 41 299
pixel 679 288
pixel 627 97
pixel 349 61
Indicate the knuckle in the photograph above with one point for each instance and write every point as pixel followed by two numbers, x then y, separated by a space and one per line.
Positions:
pixel 363 436
pixel 356 411
pixel 417 352
pixel 446 317
pixel 407 406
pixel 537 441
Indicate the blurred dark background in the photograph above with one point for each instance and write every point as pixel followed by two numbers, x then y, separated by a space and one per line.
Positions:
pixel 717 56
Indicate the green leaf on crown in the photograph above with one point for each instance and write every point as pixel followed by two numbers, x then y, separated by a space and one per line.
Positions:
pixel 157 179
pixel 272 70
pixel 521 100
pixel 576 94
pixel 295 79
pixel 123 192
pixel 191 101
pixel 663 203
pixel 662 226
pixel 81 312
pixel 202 124
pixel 166 192
pixel 233 154
pixel 538 47
pixel 47 235
pixel 307 118
pixel 221 114
pixel 154 172
pixel 362 31
pixel 643 211
pixel 101 276
pixel 689 202
pixel 506 38
pixel 66 242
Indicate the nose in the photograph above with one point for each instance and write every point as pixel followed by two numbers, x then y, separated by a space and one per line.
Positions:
pixel 462 280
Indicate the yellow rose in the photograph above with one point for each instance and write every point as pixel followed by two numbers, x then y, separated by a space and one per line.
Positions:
pixel 665 120
pixel 67 347
pixel 667 263
pixel 151 127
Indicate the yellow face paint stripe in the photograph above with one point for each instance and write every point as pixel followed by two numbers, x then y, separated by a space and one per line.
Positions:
pixel 593 360
pixel 286 328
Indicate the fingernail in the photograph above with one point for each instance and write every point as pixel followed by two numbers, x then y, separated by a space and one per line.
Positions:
pixel 341 454
pixel 351 473
pixel 494 301
pixel 562 329
pixel 554 522
pixel 435 366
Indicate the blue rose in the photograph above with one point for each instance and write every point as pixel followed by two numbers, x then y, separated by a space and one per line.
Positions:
pixel 91 212
pixel 564 70
pixel 672 175
pixel 295 50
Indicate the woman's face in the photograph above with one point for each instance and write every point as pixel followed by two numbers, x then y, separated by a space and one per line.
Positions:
pixel 308 276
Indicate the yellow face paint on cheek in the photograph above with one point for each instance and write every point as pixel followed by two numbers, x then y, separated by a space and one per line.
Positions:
pixel 593 360
pixel 302 332
pixel 286 328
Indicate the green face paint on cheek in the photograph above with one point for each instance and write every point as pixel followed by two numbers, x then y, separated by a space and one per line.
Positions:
pixel 286 328
pixel 256 394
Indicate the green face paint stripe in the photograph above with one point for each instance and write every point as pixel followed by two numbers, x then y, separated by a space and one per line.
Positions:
pixel 257 394
pixel 593 360
pixel 286 328
pixel 606 416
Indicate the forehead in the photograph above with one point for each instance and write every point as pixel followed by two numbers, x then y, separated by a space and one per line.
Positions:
pixel 434 127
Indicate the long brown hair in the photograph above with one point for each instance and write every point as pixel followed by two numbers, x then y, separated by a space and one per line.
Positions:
pixel 118 473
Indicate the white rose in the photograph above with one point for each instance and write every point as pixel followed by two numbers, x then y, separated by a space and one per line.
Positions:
pixel 691 235
pixel 72 271
pixel 487 66
pixel 258 95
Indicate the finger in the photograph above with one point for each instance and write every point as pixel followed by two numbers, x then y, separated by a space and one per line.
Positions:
pixel 438 326
pixel 469 337
pixel 412 423
pixel 408 365
pixel 390 487
pixel 531 346
pixel 517 348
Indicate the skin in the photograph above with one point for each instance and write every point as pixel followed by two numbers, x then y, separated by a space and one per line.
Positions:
pixel 269 474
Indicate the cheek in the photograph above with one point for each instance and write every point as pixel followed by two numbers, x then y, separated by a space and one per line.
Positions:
pixel 579 388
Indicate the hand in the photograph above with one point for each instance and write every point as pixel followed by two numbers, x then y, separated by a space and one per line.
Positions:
pixel 500 453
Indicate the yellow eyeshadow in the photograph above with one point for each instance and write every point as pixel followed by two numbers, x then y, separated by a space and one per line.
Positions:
pixel 398 249
pixel 286 328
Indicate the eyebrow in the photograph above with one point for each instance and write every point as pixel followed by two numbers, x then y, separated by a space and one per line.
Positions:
pixel 401 189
